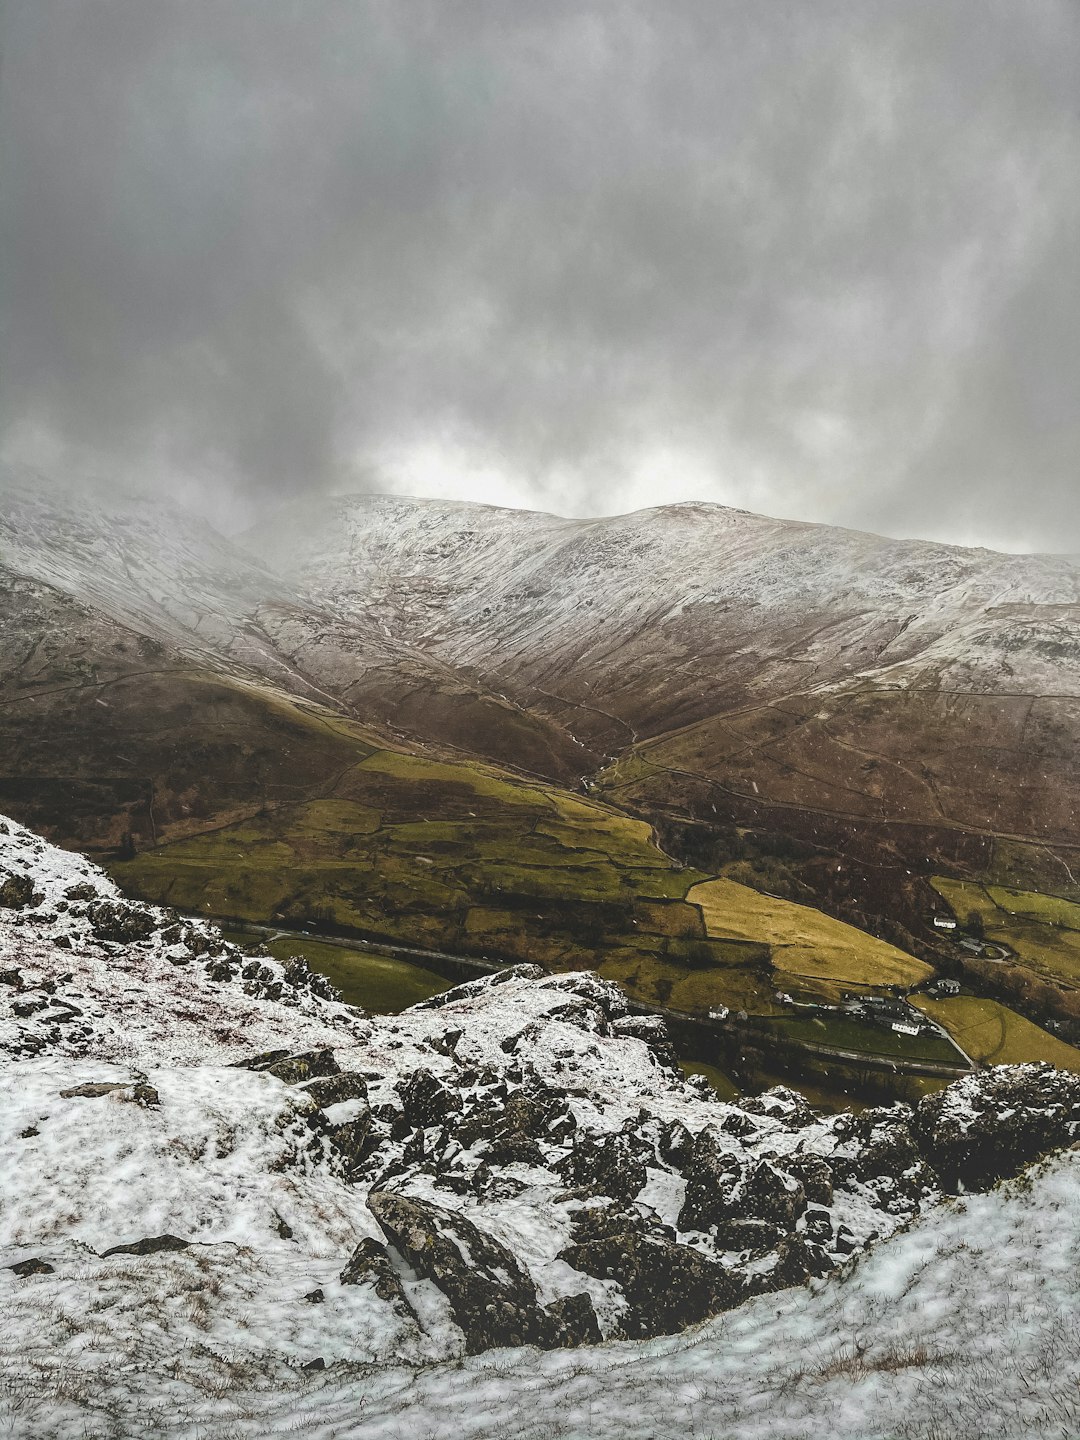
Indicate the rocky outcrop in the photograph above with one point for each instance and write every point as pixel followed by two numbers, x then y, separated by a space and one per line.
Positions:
pixel 17 892
pixel 426 1101
pixel 25 1268
pixel 294 1069
pixel 748 1205
pixel 127 924
pixel 880 1152
pixel 604 1165
pixel 150 1245
pixel 989 1125
pixel 666 1286
pixel 575 1321
pixel 492 1297
pixel 136 1090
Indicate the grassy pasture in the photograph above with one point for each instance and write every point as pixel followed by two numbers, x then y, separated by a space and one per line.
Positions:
pixel 845 1032
pixel 806 944
pixel 994 1035
pixel 445 855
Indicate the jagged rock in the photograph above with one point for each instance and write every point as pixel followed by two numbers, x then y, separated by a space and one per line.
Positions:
pixel 721 1188
pixel 666 1286
pixel 26 1268
pixel 510 1129
pixel 882 1148
pixel 813 1173
pixel 514 1149
pixel 575 1321
pixel 675 1145
pixel 492 1298
pixel 604 1165
pixel 446 1043
pixel 818 1225
pixel 475 987
pixel 11 977
pixel 23 1009
pixel 152 1245
pixel 425 1100
pixel 113 920
pixel 583 1014
pixel 294 1068
pixel 987 1126
pixel 370 1264
pixel 650 1028
pixel 604 1222
pixel 335 1089
pixel 844 1242
pixel 794 1261
pixel 755 1236
pixel 348 1139
pixel 82 891
pixel 17 892
pixel 603 994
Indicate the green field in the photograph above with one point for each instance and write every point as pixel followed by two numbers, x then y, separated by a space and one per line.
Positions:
pixel 382 984
pixel 1044 930
pixel 845 1032
pixel 461 857
pixel 470 859
pixel 805 944
pixel 994 1035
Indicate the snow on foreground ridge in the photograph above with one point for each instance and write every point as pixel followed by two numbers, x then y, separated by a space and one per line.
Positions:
pixel 962 1328
pixel 313 1240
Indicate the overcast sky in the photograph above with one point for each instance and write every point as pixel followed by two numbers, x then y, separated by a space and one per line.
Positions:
pixel 817 258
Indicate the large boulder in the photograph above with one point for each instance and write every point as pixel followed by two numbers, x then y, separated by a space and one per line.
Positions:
pixel 17 892
pixel 880 1150
pixel 426 1101
pixel 604 995
pixel 114 920
pixel 492 1298
pixel 294 1068
pixel 987 1126
pixel 336 1089
pixel 575 1321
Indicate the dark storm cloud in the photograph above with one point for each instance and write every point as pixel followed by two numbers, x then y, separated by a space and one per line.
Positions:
pixel 816 257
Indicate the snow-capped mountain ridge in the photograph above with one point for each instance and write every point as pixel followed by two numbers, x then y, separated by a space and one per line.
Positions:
pixel 523 585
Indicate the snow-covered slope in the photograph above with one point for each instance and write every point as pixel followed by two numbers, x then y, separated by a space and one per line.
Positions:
pixel 197 1239
pixel 144 563
pixel 527 592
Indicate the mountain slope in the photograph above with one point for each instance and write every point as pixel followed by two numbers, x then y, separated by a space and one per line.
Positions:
pixel 887 699
pixel 826 715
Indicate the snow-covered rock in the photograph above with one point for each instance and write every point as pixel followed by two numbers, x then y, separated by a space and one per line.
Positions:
pixel 216 1191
